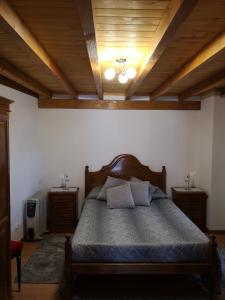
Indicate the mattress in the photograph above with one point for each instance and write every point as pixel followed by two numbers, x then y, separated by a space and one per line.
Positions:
pixel 158 233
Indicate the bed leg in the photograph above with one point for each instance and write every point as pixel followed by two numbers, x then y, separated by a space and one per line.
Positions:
pixel 68 269
pixel 210 286
pixel 213 267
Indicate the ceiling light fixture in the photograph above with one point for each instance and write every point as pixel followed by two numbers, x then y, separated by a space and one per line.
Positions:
pixel 123 78
pixel 110 73
pixel 124 73
pixel 131 73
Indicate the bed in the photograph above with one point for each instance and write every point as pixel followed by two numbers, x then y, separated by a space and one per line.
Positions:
pixel 158 239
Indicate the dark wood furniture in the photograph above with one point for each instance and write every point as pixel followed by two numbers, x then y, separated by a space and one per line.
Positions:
pixel 5 274
pixel 126 166
pixel 16 248
pixel 192 203
pixel 62 210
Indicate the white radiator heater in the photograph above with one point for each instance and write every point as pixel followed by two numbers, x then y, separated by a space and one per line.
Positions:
pixel 35 213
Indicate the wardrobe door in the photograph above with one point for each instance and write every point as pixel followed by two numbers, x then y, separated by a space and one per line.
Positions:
pixel 5 284
pixel 5 278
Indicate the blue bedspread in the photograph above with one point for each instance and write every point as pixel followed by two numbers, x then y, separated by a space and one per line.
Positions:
pixel 158 233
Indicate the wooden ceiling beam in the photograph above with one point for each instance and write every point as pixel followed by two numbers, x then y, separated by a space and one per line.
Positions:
pixel 87 21
pixel 125 105
pixel 10 71
pixel 203 86
pixel 177 13
pixel 204 55
pixel 13 24
pixel 16 86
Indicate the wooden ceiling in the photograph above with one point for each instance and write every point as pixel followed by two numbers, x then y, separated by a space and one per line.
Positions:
pixel 61 48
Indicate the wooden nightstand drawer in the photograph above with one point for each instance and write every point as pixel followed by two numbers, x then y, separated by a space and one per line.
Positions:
pixel 61 204
pixel 193 204
pixel 196 208
pixel 194 199
pixel 62 210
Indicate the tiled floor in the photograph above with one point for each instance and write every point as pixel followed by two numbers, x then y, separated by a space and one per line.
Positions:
pixel 49 291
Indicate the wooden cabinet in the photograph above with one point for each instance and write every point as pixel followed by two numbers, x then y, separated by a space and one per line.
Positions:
pixel 62 210
pixel 5 266
pixel 192 203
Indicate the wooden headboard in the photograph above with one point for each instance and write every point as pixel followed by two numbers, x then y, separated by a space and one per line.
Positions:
pixel 124 166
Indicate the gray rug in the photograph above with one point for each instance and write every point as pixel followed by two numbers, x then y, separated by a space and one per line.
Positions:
pixel 45 265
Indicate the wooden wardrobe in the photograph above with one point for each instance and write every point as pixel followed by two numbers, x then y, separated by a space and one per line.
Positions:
pixel 5 278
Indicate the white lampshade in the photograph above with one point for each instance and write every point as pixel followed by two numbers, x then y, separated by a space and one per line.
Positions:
pixel 110 73
pixel 131 72
pixel 123 78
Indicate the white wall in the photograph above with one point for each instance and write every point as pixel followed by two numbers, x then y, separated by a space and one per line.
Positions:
pixel 218 165
pixel 205 127
pixel 71 139
pixel 45 143
pixel 212 158
pixel 24 154
pixel 183 141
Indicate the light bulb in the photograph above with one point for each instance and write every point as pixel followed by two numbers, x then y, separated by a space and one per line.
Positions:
pixel 131 73
pixel 123 78
pixel 110 73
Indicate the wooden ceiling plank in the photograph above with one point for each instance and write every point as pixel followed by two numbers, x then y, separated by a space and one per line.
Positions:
pixel 129 13
pixel 111 33
pixel 14 25
pixel 203 86
pixel 126 20
pixel 204 55
pixel 16 86
pixel 118 38
pixel 128 27
pixel 125 105
pixel 124 4
pixel 177 13
pixel 9 70
pixel 87 21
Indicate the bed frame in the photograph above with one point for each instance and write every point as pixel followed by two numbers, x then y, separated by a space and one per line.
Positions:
pixel 125 166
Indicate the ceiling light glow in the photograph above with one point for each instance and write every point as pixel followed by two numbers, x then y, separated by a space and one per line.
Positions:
pixel 120 67
pixel 123 78
pixel 110 73
pixel 131 73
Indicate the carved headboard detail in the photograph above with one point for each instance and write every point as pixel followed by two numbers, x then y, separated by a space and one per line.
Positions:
pixel 124 166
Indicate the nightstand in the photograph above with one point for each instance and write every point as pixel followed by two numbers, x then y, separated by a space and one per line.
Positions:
pixel 193 203
pixel 62 209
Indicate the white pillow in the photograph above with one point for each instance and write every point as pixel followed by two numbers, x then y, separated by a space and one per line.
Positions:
pixel 110 182
pixel 135 179
pixel 120 197
pixel 152 187
pixel 140 193
pixel 154 191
